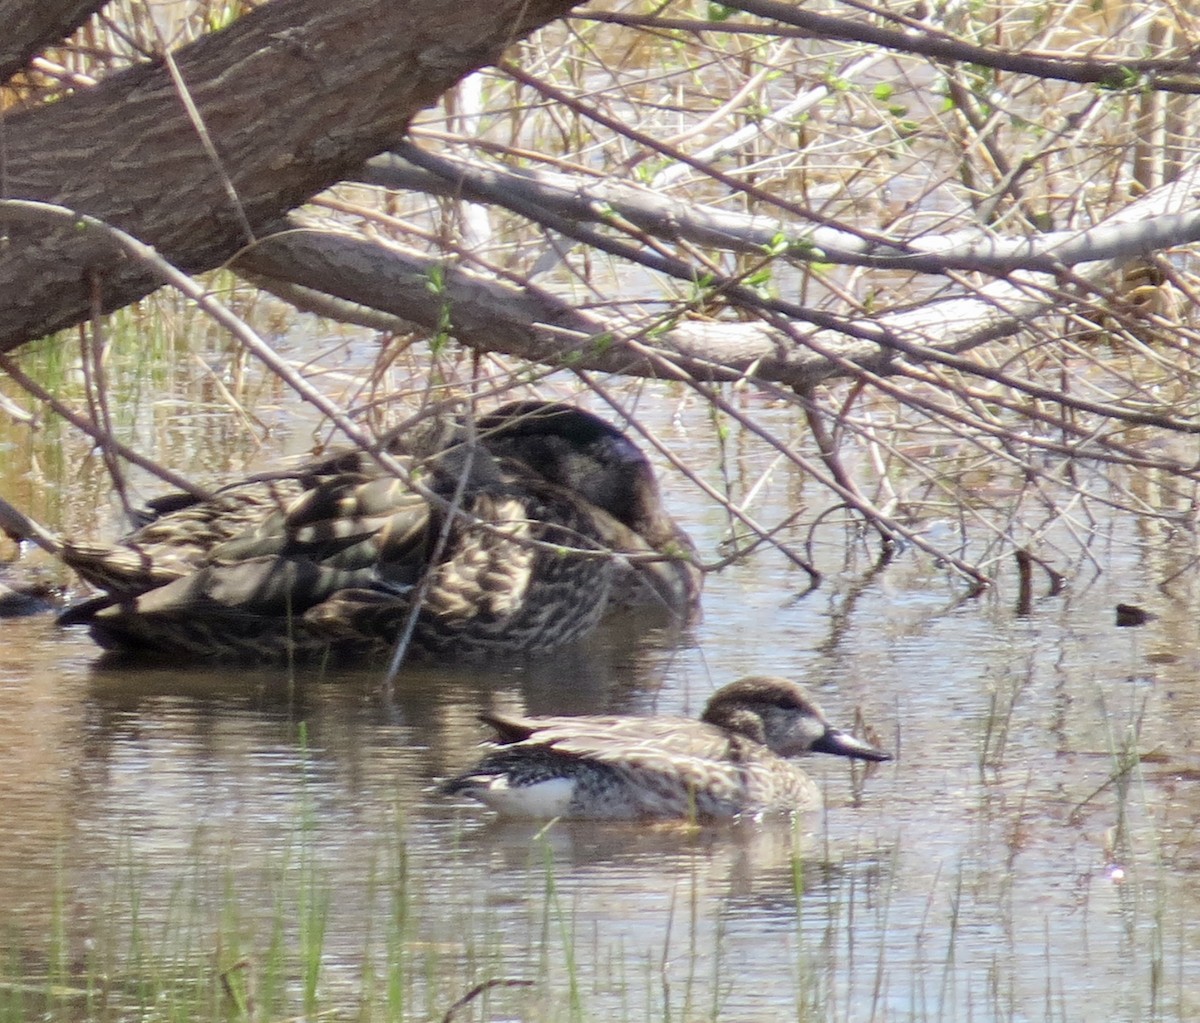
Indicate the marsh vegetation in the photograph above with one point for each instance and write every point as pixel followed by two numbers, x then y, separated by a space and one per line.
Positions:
pixel 901 303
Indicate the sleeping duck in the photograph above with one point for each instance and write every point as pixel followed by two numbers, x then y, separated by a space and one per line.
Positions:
pixel 515 536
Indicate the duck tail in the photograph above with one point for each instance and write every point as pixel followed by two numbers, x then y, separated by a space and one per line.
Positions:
pixel 20 526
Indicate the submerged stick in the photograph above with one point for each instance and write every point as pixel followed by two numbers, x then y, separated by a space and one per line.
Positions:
pixel 479 989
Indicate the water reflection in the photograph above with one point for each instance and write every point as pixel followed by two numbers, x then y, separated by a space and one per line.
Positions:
pixel 1017 861
pixel 1003 856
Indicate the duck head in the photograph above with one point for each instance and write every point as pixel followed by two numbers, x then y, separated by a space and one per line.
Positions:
pixel 779 714
pixel 575 449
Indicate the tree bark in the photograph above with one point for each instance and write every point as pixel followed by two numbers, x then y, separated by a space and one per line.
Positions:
pixel 293 96
pixel 31 27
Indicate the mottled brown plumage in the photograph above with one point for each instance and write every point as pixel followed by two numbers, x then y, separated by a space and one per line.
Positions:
pixel 330 556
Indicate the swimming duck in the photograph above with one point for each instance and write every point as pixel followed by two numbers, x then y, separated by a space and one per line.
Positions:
pixel 730 762
pixel 331 556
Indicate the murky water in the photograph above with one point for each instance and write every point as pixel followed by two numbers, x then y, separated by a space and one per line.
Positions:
pixel 1013 862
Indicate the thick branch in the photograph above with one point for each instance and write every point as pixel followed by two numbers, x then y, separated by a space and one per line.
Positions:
pixel 497 317
pixel 484 313
pixel 599 201
pixel 294 96
pixel 31 27
pixel 494 316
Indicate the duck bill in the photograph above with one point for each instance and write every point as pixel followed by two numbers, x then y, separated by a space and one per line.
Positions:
pixel 843 745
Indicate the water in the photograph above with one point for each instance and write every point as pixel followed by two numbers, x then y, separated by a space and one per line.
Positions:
pixel 961 880
pixel 1013 863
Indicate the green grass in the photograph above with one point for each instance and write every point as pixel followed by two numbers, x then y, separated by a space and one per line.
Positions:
pixel 225 942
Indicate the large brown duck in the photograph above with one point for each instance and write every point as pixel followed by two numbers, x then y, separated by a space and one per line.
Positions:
pixel 518 540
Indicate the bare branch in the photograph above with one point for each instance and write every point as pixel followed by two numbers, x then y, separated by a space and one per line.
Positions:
pixel 1158 225
pixel 1113 73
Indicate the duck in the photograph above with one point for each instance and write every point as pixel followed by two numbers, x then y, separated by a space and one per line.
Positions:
pixel 733 761
pixel 516 536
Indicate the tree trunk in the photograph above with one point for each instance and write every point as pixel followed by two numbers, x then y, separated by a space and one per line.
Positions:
pixel 293 96
pixel 31 27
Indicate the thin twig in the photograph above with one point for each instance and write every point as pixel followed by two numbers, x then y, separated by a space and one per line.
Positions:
pixel 91 429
